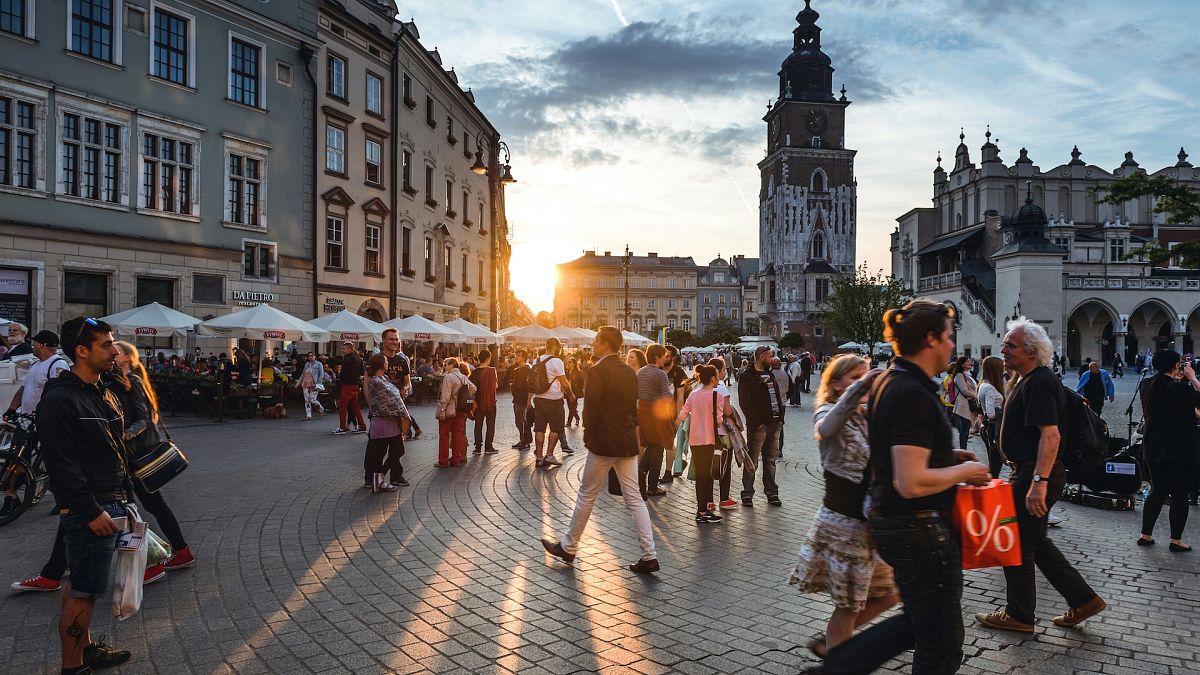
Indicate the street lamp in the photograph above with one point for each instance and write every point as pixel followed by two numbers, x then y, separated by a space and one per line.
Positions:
pixel 625 262
pixel 480 168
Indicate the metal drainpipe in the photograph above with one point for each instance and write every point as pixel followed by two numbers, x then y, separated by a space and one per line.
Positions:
pixel 394 272
pixel 496 187
pixel 307 55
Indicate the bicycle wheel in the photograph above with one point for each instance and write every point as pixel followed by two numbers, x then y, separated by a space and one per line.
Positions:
pixel 15 475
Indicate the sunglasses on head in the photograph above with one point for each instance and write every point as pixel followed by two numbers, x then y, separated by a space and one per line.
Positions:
pixel 86 322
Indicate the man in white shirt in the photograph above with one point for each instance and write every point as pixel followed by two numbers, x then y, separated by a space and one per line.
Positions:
pixel 49 365
pixel 548 405
pixel 793 372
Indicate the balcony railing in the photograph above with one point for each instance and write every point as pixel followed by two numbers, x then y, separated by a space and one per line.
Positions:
pixel 948 280
pixel 1139 283
pixel 976 306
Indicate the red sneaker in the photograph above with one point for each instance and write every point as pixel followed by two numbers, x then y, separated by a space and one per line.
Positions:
pixel 728 503
pixel 153 574
pixel 38 583
pixel 179 559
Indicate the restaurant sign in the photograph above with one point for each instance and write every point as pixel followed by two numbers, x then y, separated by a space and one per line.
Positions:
pixel 253 298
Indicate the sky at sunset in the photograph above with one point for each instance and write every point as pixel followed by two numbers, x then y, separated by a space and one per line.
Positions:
pixel 639 122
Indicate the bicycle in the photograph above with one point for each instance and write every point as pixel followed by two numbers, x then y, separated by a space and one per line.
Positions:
pixel 22 469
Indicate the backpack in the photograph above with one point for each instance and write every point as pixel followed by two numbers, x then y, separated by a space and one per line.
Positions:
pixel 1086 438
pixel 539 377
pixel 949 391
pixel 465 402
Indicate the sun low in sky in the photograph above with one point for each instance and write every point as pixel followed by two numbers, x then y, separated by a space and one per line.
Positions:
pixel 639 122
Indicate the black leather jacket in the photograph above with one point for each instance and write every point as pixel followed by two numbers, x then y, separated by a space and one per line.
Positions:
pixel 80 426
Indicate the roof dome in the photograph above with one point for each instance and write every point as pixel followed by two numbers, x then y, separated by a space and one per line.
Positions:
pixel 719 262
pixel 1029 214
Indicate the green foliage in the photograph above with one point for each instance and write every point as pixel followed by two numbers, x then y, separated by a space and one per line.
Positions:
pixel 545 320
pixel 752 326
pixel 1180 202
pixel 682 338
pixel 720 331
pixel 792 340
pixel 856 304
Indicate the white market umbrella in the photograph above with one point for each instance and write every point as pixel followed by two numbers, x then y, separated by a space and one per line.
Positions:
pixel 151 320
pixel 570 336
pixel 417 327
pixel 473 333
pixel 850 345
pixel 531 334
pixel 346 325
pixel 263 322
pixel 635 339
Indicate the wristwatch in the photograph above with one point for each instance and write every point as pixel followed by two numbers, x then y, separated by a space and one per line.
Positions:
pixel 1037 478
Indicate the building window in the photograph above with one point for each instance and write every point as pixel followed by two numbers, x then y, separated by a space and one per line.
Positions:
pixel 819 331
pixel 637 283
pixel 687 324
pixel 651 283
pixel 406 90
pixel 258 260
pixel 93 29
pixel 687 304
pixel 466 218
pixel 671 303
pixel 91 158
pixel 85 294
pixel 482 278
pixel 429 184
pixel 335 149
pixel 429 112
pixel 283 73
pixel 374 94
pixel 245 63
pixel 450 129
pixel 820 289
pixel 450 196
pixel 428 259
pixel 373 262
pixel 651 303
pixel 707 313
pixel 637 325
pixel 154 289
pixel 465 283
pixel 406 168
pixel 18 138
pixel 649 324
pixel 335 76
pixel 405 249
pixel 719 277
pixel 172 48
pixel 374 162
pixel 168 175
pixel 13 15
pixel 245 196
pixel 687 283
pixel 447 265
pixel 208 289
pixel 818 246
pixel 721 312
pixel 720 298
pixel 670 324
pixel 335 242
pixel 733 314
pixel 1116 250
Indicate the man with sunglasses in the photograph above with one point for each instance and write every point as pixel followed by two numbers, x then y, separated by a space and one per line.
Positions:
pixel 80 433
pixel 761 396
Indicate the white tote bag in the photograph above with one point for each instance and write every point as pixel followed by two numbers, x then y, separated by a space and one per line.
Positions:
pixel 130 567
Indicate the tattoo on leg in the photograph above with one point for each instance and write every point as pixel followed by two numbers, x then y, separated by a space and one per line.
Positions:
pixel 78 630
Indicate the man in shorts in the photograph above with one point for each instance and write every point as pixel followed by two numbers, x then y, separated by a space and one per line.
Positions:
pixel 548 405
pixel 80 430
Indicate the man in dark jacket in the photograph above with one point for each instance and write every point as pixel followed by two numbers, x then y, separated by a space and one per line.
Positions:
pixel 762 401
pixel 610 434
pixel 519 381
pixel 486 381
pixel 80 437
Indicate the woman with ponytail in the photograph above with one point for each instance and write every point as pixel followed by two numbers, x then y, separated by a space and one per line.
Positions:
pixel 143 432
pixel 1170 403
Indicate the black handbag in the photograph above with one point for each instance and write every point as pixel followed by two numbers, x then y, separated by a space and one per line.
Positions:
pixel 156 467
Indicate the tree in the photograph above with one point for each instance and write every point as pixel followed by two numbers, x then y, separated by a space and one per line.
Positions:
pixel 752 326
pixel 545 319
pixel 682 338
pixel 1180 202
pixel 857 302
pixel 721 331
pixel 792 340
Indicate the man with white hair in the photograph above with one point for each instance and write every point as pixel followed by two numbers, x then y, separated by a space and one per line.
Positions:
pixel 17 344
pixel 1030 439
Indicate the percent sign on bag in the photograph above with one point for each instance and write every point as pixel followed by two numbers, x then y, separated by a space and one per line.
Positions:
pixel 986 517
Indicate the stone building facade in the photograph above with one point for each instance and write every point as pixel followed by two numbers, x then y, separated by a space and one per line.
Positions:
pixel 155 152
pixel 808 194
pixel 718 294
pixel 1076 280
pixel 662 291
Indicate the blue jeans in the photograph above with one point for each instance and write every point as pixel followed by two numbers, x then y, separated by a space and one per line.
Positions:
pixel 763 444
pixel 88 555
pixel 927 564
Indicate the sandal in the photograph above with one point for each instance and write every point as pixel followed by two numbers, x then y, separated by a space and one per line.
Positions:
pixel 817 647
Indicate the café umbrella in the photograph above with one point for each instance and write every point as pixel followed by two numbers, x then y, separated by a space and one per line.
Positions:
pixel 152 320
pixel 419 328
pixel 263 322
pixel 531 334
pixel 473 333
pixel 346 325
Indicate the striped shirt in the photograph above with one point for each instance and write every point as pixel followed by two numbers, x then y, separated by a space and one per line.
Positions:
pixel 653 384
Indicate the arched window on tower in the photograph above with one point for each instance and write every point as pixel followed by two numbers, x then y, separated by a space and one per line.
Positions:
pixel 1064 202
pixel 818 246
pixel 819 181
pixel 1010 200
pixel 771 186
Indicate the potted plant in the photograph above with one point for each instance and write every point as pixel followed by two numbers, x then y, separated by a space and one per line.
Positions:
pixel 451 139
pixel 451 284
pixel 408 101
pixel 431 202
pixel 451 214
pixel 467 222
pixel 483 292
pixel 410 273
pixel 466 289
pixel 430 279
pixel 409 189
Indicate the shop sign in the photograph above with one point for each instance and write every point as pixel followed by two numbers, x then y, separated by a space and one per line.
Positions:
pixel 253 298
pixel 14 282
pixel 145 330
pixel 422 336
pixel 16 303
pixel 333 305
pixel 274 335
pixel 353 337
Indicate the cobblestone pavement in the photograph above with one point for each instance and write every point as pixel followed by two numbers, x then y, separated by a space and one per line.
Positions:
pixel 302 570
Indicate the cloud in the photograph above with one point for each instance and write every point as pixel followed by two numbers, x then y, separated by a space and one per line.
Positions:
pixel 692 59
pixel 584 158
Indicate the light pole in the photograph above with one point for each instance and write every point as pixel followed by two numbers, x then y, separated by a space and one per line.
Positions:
pixel 498 177
pixel 625 262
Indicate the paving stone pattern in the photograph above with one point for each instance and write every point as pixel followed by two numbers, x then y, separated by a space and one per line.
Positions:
pixel 302 570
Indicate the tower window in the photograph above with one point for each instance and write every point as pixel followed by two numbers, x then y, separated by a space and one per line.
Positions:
pixel 819 183
pixel 816 141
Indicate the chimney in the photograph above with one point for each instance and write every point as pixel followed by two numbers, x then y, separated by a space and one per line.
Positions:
pixel 608 254
pixel 589 254
pixel 652 255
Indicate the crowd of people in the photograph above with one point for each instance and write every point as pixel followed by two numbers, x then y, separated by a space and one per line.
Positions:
pixel 886 437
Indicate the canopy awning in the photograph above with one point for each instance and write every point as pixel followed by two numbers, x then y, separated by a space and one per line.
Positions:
pixel 473 333
pixel 263 322
pixel 951 241
pixel 417 327
pixel 346 325
pixel 152 320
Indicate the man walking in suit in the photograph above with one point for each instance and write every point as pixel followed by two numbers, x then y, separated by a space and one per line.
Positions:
pixel 609 433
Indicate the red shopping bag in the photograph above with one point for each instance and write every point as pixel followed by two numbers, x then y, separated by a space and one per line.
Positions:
pixel 986 518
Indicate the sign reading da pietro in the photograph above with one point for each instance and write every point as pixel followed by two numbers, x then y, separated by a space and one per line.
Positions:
pixel 252 298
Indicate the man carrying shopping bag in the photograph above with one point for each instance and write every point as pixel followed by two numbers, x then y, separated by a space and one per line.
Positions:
pixel 80 437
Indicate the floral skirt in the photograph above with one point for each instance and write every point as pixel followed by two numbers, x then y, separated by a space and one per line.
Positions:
pixel 838 558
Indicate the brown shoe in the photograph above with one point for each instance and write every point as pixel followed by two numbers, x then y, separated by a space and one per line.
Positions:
pixel 1002 621
pixel 555 549
pixel 656 492
pixel 645 566
pixel 1076 615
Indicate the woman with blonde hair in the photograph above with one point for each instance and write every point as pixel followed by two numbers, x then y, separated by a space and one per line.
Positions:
pixel 991 401
pixel 452 422
pixel 838 556
pixel 143 431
